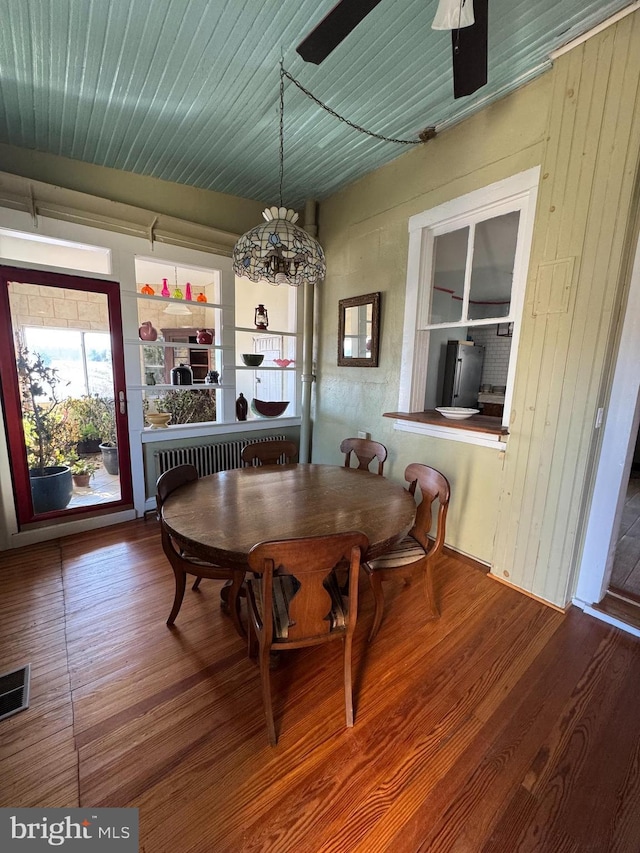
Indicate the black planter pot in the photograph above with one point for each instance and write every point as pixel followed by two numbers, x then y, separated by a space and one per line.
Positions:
pixel 110 458
pixel 88 446
pixel 51 488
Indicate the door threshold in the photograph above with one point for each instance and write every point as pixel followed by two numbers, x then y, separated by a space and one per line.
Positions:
pixel 624 595
pixel 621 608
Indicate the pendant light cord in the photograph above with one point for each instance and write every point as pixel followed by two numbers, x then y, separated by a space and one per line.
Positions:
pixel 424 136
pixel 282 75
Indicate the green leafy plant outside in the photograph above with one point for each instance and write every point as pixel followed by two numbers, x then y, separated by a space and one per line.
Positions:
pixel 94 416
pixel 84 466
pixel 187 407
pixel 48 433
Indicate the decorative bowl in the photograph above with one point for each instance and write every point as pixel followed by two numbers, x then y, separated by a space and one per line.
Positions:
pixel 268 409
pixel 283 362
pixel 158 420
pixel 252 359
pixel 456 413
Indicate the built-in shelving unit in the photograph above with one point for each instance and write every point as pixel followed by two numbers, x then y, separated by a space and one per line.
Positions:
pixel 229 315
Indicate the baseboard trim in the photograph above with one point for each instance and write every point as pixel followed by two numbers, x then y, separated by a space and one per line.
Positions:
pixel 448 551
pixel 526 592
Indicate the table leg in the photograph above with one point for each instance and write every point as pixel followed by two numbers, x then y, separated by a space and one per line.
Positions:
pixel 230 601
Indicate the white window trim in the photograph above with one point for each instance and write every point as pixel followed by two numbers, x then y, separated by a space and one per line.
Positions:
pixel 518 192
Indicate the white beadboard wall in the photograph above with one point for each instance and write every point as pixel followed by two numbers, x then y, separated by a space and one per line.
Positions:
pixel 575 284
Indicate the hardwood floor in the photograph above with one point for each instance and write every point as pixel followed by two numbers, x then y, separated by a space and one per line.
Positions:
pixel 503 726
pixel 625 575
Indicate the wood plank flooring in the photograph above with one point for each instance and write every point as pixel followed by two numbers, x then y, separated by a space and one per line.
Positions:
pixel 503 726
pixel 625 575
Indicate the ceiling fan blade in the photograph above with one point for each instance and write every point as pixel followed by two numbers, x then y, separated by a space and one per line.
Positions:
pixel 470 53
pixel 333 28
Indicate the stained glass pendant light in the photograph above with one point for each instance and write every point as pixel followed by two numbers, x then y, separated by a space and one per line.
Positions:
pixel 278 251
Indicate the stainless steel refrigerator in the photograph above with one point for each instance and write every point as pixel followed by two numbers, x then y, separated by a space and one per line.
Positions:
pixel 462 374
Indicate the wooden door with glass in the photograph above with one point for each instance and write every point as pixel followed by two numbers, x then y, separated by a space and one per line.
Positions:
pixel 62 360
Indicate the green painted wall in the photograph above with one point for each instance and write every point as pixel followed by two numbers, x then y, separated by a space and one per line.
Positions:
pixel 364 232
pixel 520 511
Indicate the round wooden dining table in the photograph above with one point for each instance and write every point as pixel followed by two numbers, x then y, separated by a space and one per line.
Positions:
pixel 219 518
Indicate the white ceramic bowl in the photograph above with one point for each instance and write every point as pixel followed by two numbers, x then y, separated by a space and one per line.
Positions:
pixel 456 413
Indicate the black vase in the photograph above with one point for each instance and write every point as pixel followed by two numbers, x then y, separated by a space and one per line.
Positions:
pixel 242 407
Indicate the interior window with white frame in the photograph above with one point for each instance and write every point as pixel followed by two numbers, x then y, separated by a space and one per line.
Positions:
pixel 466 276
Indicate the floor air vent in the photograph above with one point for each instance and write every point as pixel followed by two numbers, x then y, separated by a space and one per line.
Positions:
pixel 14 691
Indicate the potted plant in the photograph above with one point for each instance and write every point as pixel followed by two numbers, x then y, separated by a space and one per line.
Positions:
pixel 188 407
pixel 109 446
pixel 82 470
pixel 90 440
pixel 92 414
pixel 46 433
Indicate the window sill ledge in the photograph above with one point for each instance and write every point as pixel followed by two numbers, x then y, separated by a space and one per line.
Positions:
pixel 478 429
pixel 180 431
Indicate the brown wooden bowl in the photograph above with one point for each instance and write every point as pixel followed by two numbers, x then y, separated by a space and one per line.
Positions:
pixel 268 409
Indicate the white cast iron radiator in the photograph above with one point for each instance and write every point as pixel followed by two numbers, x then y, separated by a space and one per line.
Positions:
pixel 207 458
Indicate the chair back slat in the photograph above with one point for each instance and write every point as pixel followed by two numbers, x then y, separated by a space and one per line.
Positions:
pixel 311 562
pixel 295 601
pixel 415 554
pixel 269 452
pixel 433 486
pixel 172 480
pixel 365 450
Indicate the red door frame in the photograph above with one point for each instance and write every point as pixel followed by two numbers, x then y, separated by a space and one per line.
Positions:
pixel 11 392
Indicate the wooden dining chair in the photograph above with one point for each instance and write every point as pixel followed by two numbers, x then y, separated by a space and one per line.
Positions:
pixel 415 554
pixel 184 564
pixel 269 452
pixel 365 452
pixel 294 601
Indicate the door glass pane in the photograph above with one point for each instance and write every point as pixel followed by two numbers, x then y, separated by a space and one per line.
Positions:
pixel 494 254
pixel 450 257
pixel 66 384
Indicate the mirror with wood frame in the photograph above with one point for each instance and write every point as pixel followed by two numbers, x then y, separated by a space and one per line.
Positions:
pixel 359 331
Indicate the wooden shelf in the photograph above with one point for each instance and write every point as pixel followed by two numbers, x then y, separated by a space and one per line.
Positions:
pixel 476 423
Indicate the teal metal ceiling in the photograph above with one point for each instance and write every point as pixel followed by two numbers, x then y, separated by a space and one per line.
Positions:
pixel 187 90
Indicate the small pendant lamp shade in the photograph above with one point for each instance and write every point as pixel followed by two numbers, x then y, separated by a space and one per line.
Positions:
pixel 453 15
pixel 279 251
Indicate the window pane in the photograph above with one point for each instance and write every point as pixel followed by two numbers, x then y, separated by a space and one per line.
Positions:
pixel 61 350
pixel 494 253
pixel 99 367
pixel 36 249
pixel 450 256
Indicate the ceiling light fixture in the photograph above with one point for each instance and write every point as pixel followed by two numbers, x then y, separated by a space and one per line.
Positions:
pixel 278 251
pixel 176 308
pixel 453 15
